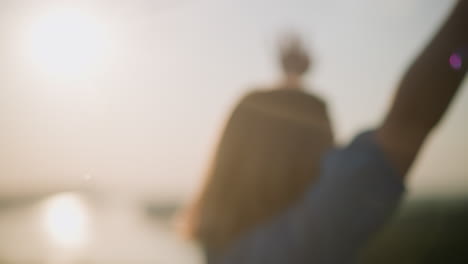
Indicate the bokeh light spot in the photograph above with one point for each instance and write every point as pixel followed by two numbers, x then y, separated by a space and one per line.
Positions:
pixel 455 61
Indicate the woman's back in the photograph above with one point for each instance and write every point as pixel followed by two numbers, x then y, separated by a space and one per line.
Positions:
pixel 273 139
pixel 279 191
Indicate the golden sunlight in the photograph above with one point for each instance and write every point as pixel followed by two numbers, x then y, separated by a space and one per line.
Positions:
pixel 65 42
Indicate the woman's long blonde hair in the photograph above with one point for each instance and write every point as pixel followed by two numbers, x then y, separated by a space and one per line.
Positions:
pixel 268 155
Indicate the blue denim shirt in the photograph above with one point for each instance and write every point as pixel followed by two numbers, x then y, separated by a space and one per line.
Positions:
pixel 356 193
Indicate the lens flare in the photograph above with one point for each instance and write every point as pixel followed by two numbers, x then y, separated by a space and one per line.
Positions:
pixel 455 61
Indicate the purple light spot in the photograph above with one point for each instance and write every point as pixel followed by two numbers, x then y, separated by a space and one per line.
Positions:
pixel 455 61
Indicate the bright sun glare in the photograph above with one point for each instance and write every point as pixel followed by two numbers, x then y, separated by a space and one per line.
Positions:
pixel 65 42
pixel 66 220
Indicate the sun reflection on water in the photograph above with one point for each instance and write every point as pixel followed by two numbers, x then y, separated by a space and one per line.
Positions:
pixel 65 220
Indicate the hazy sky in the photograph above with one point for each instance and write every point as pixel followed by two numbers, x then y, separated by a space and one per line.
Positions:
pixel 144 113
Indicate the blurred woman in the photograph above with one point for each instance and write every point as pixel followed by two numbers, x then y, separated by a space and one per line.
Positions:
pixel 268 156
pixel 279 191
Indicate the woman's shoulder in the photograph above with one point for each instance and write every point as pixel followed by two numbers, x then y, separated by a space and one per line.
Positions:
pixel 286 97
pixel 286 104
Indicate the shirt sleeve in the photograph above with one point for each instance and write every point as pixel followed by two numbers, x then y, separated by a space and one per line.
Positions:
pixel 356 193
